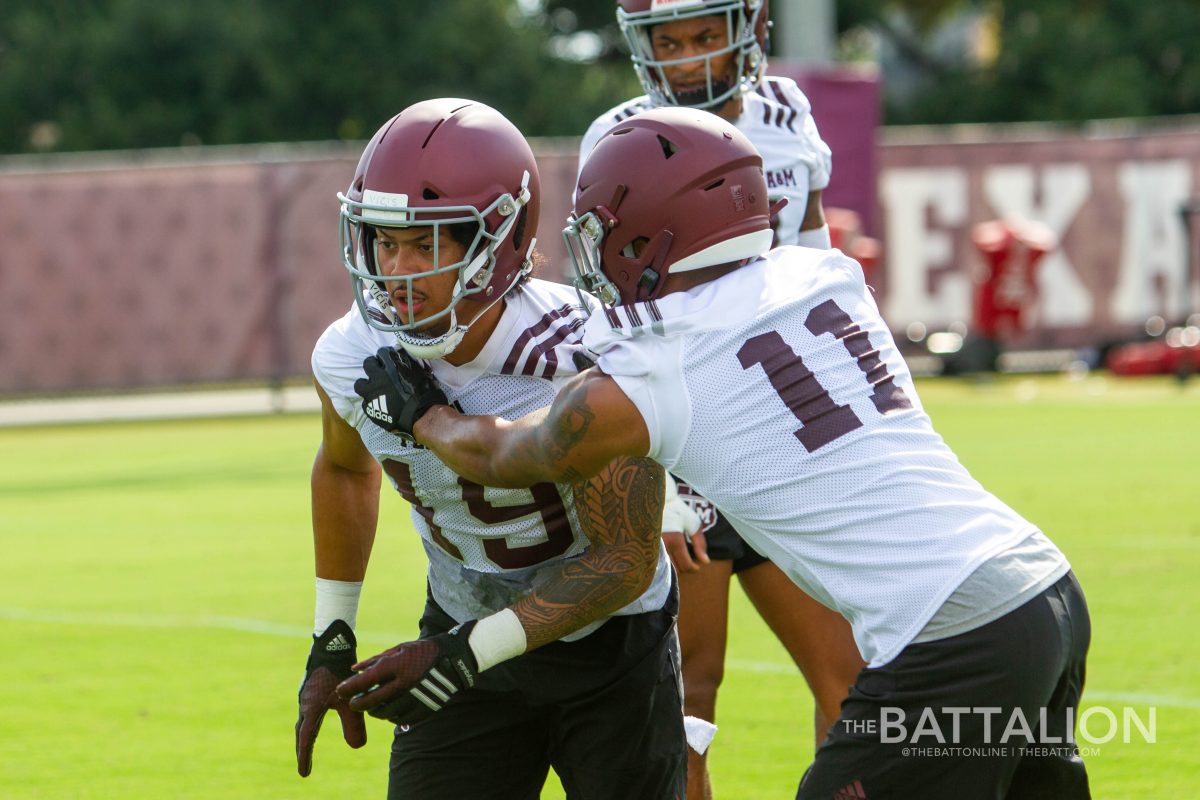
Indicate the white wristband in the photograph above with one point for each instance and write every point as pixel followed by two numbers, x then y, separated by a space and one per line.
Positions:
pixel 497 638
pixel 817 237
pixel 336 600
pixel 699 733
pixel 678 516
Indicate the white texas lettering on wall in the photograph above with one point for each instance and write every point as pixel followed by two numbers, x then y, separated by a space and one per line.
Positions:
pixel 1151 278
pixel 1123 249
pixel 922 207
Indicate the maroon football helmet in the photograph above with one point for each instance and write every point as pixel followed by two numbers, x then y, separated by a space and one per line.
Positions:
pixel 665 191
pixel 746 25
pixel 442 162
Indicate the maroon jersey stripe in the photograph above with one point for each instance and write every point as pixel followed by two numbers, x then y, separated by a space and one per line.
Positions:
pixel 780 96
pixel 544 350
pixel 635 319
pixel 540 327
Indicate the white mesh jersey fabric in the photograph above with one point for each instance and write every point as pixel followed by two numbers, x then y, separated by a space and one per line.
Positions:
pixel 777 393
pixel 777 119
pixel 486 546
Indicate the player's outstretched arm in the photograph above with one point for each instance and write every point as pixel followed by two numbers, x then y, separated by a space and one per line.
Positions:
pixel 590 423
pixel 345 507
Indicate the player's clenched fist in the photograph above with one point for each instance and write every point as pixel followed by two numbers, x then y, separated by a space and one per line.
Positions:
pixel 409 682
pixel 397 390
pixel 330 660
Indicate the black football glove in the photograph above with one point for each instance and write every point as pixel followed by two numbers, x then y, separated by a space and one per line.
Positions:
pixel 397 390
pixel 331 660
pixel 411 681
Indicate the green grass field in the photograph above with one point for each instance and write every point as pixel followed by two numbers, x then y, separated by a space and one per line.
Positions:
pixel 156 597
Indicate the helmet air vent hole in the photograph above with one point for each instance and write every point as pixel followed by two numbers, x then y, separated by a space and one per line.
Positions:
pixel 714 185
pixel 429 194
pixel 425 143
pixel 668 147
pixel 635 247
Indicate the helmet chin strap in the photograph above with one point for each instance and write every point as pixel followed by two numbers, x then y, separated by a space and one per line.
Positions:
pixel 438 347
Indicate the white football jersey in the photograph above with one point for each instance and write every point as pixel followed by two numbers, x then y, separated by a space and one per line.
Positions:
pixel 777 392
pixel 486 546
pixel 778 121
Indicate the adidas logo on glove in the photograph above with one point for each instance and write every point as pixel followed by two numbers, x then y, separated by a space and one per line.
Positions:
pixel 377 409
pixel 337 644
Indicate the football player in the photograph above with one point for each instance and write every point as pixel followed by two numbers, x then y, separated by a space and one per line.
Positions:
pixel 548 636
pixel 710 54
pixel 719 357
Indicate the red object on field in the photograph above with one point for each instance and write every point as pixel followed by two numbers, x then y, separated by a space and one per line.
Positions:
pixel 1159 357
pixel 1012 249
pixel 846 234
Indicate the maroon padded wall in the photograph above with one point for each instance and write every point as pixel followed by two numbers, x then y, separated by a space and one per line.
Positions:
pixel 185 270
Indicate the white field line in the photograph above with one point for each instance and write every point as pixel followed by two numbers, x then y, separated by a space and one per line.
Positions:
pixel 167 405
pixel 246 625
pixel 193 621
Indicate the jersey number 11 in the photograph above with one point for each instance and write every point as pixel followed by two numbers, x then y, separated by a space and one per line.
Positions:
pixel 822 419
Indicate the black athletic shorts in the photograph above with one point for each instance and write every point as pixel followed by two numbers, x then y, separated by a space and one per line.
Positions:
pixel 1021 674
pixel 724 543
pixel 606 712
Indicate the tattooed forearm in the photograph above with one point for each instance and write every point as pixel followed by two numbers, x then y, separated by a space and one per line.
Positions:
pixel 624 501
pixel 621 512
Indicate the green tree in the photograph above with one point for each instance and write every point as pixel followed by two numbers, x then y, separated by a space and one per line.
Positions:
pixel 144 73
pixel 100 74
pixel 1068 60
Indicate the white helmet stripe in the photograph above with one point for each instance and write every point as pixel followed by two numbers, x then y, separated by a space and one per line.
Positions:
pixel 748 245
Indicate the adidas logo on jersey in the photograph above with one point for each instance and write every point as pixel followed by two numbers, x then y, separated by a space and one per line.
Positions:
pixel 377 409
pixel 337 644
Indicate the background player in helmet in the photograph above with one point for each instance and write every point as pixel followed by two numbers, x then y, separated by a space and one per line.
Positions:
pixel 553 606
pixel 710 54
pixel 719 357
